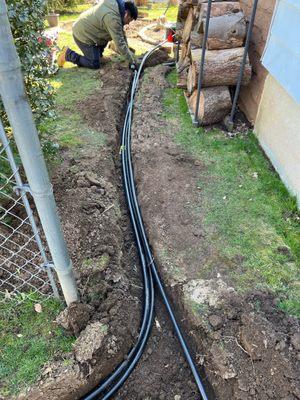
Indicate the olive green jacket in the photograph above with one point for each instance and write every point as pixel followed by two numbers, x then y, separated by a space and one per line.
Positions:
pixel 100 24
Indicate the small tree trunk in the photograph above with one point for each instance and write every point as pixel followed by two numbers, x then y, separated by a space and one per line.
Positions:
pixel 215 104
pixel 221 68
pixel 226 31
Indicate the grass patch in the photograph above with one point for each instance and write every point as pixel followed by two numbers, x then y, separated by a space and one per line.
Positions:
pixel 27 340
pixel 72 86
pixel 158 10
pixel 154 12
pixel 74 12
pixel 248 213
pixel 71 13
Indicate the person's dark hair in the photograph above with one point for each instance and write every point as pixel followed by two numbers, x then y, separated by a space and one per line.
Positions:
pixel 132 8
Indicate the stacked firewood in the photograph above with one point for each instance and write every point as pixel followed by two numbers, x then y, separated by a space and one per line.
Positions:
pixel 223 58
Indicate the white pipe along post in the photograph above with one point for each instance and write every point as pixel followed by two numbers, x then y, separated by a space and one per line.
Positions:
pixel 12 91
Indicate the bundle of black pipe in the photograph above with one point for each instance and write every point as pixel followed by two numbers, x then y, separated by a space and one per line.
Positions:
pixel 109 386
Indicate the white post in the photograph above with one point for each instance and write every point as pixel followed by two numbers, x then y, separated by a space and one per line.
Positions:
pixel 19 113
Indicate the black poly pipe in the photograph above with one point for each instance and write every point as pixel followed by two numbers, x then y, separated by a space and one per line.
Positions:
pixel 128 365
pixel 158 280
pixel 201 72
pixel 241 73
pixel 142 241
pixel 136 351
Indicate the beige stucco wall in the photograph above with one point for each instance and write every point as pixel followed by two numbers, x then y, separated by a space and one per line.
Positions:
pixel 251 94
pixel 278 129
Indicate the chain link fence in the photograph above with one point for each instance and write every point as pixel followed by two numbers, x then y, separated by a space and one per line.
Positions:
pixel 24 265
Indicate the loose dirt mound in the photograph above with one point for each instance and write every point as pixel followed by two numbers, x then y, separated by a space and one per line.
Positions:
pixel 157 58
pixel 249 348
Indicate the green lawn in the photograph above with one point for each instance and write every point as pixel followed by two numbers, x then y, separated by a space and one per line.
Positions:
pixel 252 216
pixel 154 11
pixel 72 85
pixel 73 12
pixel 27 340
pixel 158 9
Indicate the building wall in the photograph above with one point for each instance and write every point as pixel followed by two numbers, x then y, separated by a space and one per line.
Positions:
pixel 251 95
pixel 278 129
pixel 282 53
pixel 277 123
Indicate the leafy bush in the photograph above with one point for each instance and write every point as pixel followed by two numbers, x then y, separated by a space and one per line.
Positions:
pixel 27 23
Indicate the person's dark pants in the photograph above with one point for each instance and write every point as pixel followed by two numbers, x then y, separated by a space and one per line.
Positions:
pixel 91 55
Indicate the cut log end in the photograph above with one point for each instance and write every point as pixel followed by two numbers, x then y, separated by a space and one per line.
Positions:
pixel 221 67
pixel 226 31
pixel 214 105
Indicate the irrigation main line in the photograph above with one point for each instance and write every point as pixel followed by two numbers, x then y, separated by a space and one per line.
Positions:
pixel 110 385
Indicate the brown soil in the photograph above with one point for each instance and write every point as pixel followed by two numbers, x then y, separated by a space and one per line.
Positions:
pixel 96 226
pixel 134 27
pixel 155 33
pixel 162 373
pixel 250 350
pixel 89 195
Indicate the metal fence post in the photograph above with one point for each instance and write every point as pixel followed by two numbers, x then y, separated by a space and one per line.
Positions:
pixel 241 72
pixel 19 113
pixel 197 121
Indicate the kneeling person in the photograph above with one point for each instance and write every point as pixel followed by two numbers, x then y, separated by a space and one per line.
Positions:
pixel 95 28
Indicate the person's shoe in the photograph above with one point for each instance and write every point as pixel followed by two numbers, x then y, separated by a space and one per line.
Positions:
pixel 61 59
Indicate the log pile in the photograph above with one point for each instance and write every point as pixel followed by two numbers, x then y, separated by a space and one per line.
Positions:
pixel 224 54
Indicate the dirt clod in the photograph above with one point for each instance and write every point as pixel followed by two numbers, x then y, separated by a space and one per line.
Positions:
pixel 156 58
pixel 75 317
pixel 215 321
pixel 90 341
pixel 280 346
pixel 295 340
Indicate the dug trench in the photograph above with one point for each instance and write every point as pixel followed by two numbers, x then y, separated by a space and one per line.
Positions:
pixel 245 354
pixel 89 193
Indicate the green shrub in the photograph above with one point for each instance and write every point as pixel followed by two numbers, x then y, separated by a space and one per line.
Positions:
pixel 61 5
pixel 27 23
